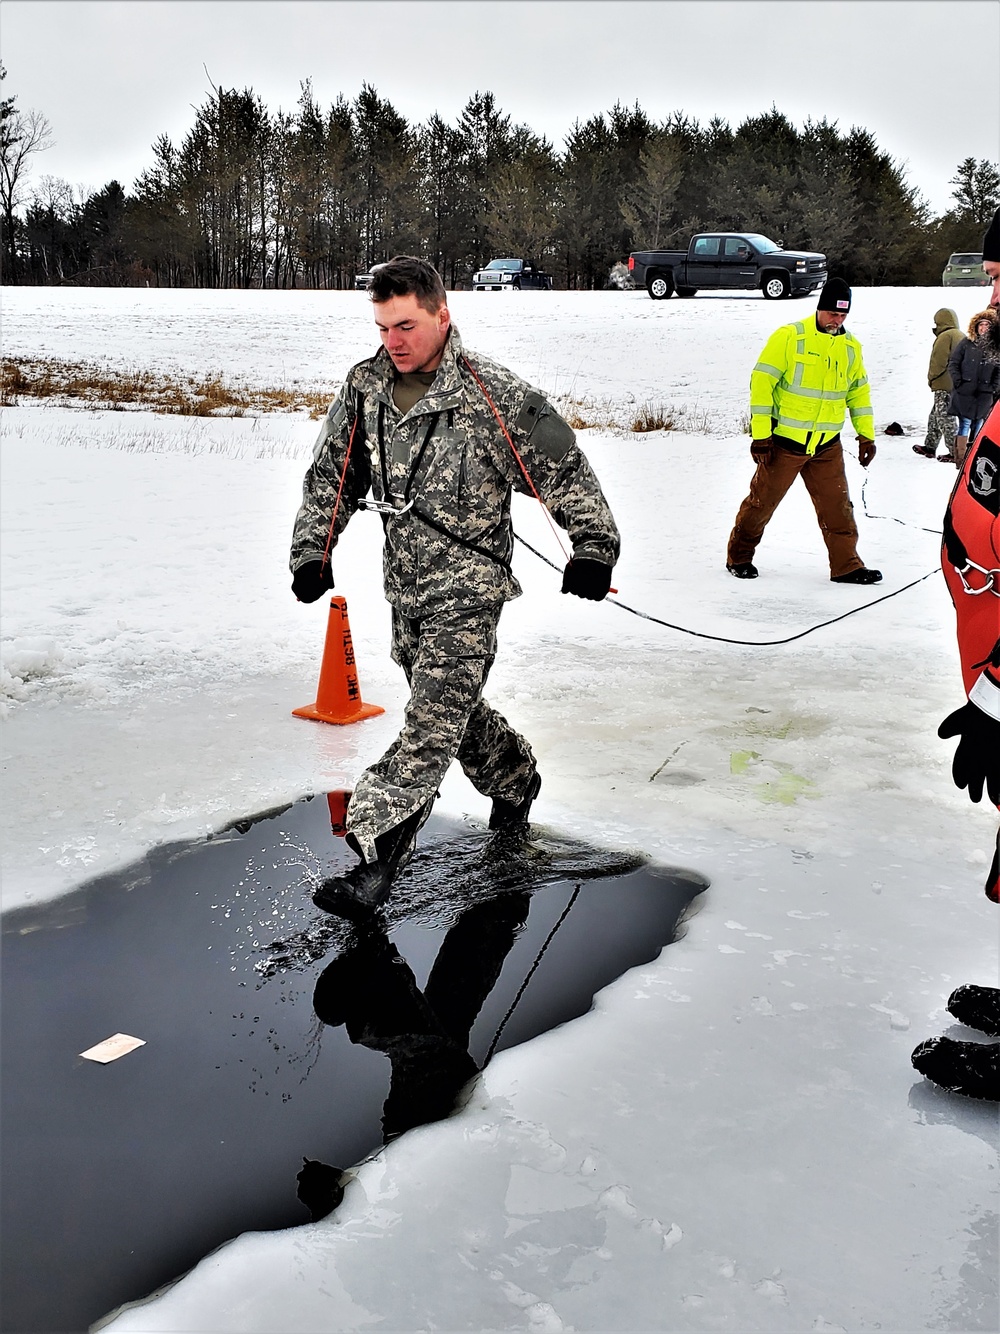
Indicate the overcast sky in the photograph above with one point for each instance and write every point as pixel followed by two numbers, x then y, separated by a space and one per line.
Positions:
pixel 113 75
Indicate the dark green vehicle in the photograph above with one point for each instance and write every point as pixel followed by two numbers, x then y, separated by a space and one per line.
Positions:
pixel 964 269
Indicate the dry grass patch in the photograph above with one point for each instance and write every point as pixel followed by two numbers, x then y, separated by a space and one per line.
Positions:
pixel 654 417
pixel 83 384
pixel 584 414
pixel 631 418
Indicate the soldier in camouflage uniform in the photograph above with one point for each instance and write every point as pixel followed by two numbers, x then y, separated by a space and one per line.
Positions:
pixel 419 426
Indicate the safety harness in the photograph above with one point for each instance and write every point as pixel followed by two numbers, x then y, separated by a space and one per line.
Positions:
pixel 394 506
pixel 959 558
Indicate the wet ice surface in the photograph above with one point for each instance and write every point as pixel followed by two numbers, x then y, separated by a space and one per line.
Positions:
pixel 267 1027
pixel 749 1096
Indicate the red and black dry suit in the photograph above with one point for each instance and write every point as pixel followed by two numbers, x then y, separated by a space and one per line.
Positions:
pixel 970 558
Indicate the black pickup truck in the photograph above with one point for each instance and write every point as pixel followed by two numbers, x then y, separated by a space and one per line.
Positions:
pixel 728 259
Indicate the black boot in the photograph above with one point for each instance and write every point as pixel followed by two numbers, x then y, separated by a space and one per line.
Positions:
pixel 860 576
pixel 745 570
pixel 366 886
pixel 508 816
pixel 978 1007
pixel 969 1068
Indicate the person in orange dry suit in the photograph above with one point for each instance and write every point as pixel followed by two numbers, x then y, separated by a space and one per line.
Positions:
pixel 971 563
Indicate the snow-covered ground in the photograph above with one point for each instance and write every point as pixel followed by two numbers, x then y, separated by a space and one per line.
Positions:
pixel 734 1138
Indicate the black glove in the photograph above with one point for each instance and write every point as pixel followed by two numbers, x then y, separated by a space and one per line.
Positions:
pixel 866 450
pixel 312 580
pixel 760 450
pixel 977 759
pixel 587 578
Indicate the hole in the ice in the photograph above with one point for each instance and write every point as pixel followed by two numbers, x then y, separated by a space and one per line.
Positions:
pixel 281 1044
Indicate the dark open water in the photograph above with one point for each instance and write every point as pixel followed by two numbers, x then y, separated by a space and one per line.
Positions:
pixel 274 1033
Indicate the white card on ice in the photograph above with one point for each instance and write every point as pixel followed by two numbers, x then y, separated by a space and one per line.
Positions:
pixel 119 1044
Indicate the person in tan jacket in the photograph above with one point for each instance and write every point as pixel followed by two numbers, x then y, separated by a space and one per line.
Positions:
pixel 941 422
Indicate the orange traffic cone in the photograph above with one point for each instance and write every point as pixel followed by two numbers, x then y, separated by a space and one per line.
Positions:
pixel 338 695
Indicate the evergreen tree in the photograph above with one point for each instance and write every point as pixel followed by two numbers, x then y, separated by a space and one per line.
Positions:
pixel 977 191
pixel 523 198
pixel 387 160
pixel 102 225
pixel 649 205
pixel 162 225
pixel 485 142
pixel 252 197
pixel 443 241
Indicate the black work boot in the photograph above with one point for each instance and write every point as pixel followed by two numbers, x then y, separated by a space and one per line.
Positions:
pixel 745 570
pixel 508 816
pixel 366 886
pixel 969 1068
pixel 978 1007
pixel 860 576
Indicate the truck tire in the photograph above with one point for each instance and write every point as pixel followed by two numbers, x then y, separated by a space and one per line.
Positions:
pixel 660 286
pixel 775 286
pixel 686 291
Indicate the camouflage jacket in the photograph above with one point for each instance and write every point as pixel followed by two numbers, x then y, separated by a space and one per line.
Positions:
pixel 449 461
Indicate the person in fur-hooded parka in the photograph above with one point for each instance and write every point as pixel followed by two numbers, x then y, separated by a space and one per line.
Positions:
pixel 974 367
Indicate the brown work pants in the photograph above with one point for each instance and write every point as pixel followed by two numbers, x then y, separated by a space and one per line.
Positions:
pixel 826 482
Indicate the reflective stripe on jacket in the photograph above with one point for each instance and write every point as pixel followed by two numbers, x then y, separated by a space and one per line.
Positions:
pixel 804 384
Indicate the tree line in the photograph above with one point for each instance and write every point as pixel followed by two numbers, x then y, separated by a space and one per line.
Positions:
pixel 257 198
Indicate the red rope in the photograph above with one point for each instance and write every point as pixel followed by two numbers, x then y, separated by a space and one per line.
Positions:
pixel 503 427
pixel 340 488
pixel 520 461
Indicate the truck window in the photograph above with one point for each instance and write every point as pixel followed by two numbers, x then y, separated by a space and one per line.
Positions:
pixel 706 247
pixel 737 248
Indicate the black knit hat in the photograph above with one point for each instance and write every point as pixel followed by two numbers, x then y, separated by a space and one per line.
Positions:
pixel 835 296
pixel 991 241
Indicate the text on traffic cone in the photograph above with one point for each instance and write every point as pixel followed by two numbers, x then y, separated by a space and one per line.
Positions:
pixel 338 695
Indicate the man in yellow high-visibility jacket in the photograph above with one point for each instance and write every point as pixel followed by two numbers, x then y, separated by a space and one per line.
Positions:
pixel 808 377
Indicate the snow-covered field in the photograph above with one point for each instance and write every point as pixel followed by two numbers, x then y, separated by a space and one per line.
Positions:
pixel 734 1139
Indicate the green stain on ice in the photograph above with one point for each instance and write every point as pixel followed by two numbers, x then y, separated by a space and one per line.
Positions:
pixel 786 789
pixel 740 759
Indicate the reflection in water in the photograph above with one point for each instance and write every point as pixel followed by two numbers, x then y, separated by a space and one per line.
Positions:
pixel 972 1116
pixel 371 990
pixel 446 875
pixel 971 1301
pixel 210 951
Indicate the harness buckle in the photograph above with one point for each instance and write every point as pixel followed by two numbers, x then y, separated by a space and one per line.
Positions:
pixel 389 507
pixel 991 579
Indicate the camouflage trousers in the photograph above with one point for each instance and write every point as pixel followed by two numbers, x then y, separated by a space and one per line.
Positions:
pixel 446 657
pixel 941 423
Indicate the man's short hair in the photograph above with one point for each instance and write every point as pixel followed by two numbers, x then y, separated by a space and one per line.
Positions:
pixel 406 274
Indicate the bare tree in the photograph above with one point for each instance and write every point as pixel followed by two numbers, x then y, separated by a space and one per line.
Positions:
pixel 47 226
pixel 22 133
